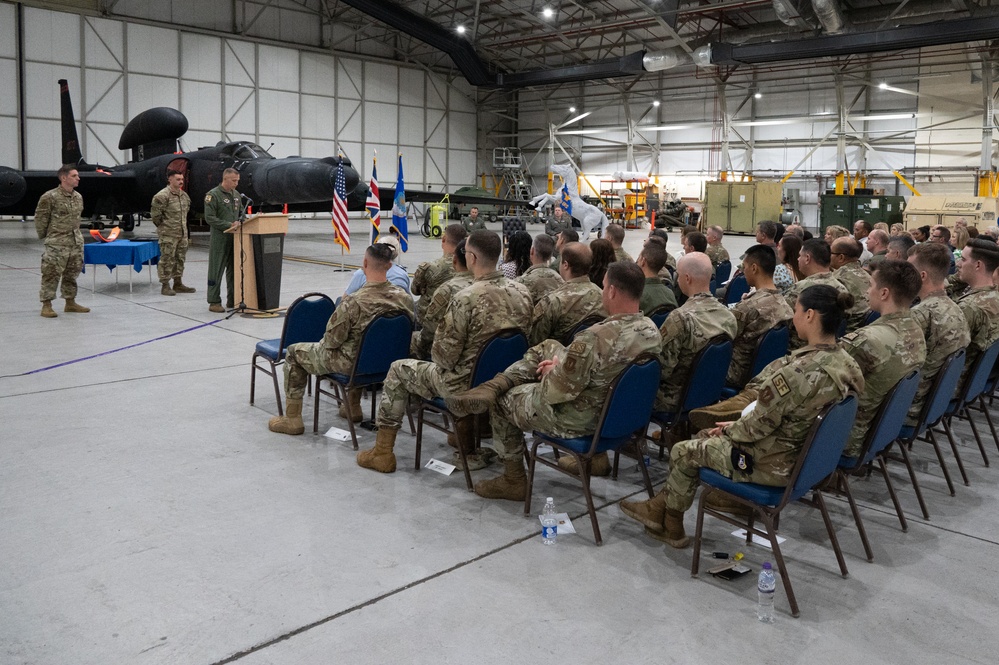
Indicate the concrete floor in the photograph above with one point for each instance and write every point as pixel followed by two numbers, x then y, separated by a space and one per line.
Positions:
pixel 147 515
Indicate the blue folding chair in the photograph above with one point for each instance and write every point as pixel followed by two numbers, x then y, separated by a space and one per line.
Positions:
pixel 588 321
pixel 934 408
pixel 385 339
pixel 625 414
pixel 500 351
pixel 659 314
pixel 871 317
pixel 713 286
pixel 737 288
pixel 820 453
pixel 770 346
pixel 723 272
pixel 882 432
pixel 703 387
pixel 305 321
pixel 974 389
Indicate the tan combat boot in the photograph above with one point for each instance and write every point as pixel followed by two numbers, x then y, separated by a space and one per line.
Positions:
pixel 47 310
pixel 291 421
pixel 180 287
pixel 722 503
pixel 352 407
pixel 165 289
pixel 600 466
pixel 217 308
pixel 649 512
pixel 481 397
pixel 724 411
pixel 512 485
pixel 465 437
pixel 672 533
pixel 380 458
pixel 71 306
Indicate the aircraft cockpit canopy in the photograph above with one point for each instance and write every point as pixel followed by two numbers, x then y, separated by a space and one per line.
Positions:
pixel 249 151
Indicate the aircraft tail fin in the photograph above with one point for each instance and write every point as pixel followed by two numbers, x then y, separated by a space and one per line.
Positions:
pixel 70 141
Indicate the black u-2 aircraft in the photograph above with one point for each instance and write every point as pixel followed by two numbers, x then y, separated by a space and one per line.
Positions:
pixel 110 192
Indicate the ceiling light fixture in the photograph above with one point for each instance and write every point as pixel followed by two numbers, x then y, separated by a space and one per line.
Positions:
pixel 655 102
pixel 572 109
pixel 460 29
pixel 758 95
pixel 548 12
pixel 883 85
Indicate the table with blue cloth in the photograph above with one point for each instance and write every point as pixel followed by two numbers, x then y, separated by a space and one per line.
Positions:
pixel 121 253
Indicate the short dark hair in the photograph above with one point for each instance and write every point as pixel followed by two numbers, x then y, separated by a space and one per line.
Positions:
pixel 544 246
pixel 459 253
pixel 864 224
pixel 901 278
pixel 906 243
pixel 380 254
pixel 659 233
pixel 932 257
pixel 698 241
pixel 659 241
pixel 818 250
pixel 569 235
pixel 455 233
pixel 985 251
pixel 767 228
pixel 614 233
pixel 626 276
pixel 486 244
pixel 848 247
pixel 172 172
pixel 66 169
pixel 578 257
pixel 655 256
pixel 228 171
pixel 831 305
pixel 762 256
pixel 925 230
pixel 944 231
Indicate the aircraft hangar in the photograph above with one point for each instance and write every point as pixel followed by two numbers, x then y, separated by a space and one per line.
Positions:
pixel 147 515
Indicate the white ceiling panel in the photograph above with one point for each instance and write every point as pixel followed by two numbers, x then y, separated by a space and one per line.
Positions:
pixel 348 120
pixel 200 57
pixel 240 115
pixel 51 37
pixel 41 88
pixel 318 117
pixel 239 60
pixel 318 74
pixel 152 50
pixel 104 43
pixel 278 68
pixel 381 123
pixel 202 104
pixel 145 92
pixel 42 144
pixel 348 78
pixel 278 113
pixel 411 84
pixel 381 82
pixel 411 121
pixel 105 97
pixel 8 34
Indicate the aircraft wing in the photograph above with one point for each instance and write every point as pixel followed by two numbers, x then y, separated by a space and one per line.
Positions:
pixel 422 196
pixel 20 190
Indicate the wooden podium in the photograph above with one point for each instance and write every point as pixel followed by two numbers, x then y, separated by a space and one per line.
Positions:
pixel 258 248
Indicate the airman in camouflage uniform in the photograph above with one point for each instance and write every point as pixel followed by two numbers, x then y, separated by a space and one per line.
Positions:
pixel 754 315
pixel 687 329
pixel 492 303
pixel 423 339
pixel 615 233
pixel 57 221
pixel 222 212
pixel 791 297
pixel 336 352
pixel 169 214
pixel 791 392
pixel 845 260
pixel 715 251
pixel 887 349
pixel 558 312
pixel 980 303
pixel 540 280
pixel 430 275
pixel 944 327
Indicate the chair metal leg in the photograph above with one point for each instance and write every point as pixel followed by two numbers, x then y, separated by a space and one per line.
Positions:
pixel 844 483
pixel 892 494
pixel 957 454
pixel 462 453
pixel 821 502
pixel 350 416
pixel 902 446
pixel 695 565
pixel 532 462
pixel 781 567
pixel 419 434
pixel 277 390
pixel 978 438
pixel 315 408
pixel 253 376
pixel 988 419
pixel 584 475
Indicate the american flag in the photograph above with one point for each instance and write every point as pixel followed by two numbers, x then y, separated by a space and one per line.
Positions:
pixel 340 228
pixel 373 204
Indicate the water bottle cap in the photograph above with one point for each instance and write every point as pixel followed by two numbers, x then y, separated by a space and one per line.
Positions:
pixel 549 500
pixel 766 565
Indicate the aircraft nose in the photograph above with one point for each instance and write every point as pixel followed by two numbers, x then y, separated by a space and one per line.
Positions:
pixel 293 180
pixel 12 186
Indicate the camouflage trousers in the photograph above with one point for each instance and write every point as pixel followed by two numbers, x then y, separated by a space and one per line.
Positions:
pixel 414 377
pixel 173 252
pixel 307 358
pixel 715 452
pixel 522 407
pixel 60 263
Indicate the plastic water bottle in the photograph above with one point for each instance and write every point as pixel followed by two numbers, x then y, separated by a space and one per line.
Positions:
pixel 767 585
pixel 549 525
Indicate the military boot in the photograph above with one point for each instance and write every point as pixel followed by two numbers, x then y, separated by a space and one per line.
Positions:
pixel 165 290
pixel 722 503
pixel 217 308
pixel 649 512
pixel 71 306
pixel 465 437
pixel 724 411
pixel 481 397
pixel 351 408
pixel 47 310
pixel 672 533
pixel 291 421
pixel 180 287
pixel 380 458
pixel 599 466
pixel 512 485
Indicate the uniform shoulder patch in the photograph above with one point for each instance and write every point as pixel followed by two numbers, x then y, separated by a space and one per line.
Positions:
pixel 780 385
pixel 208 198
pixel 577 348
